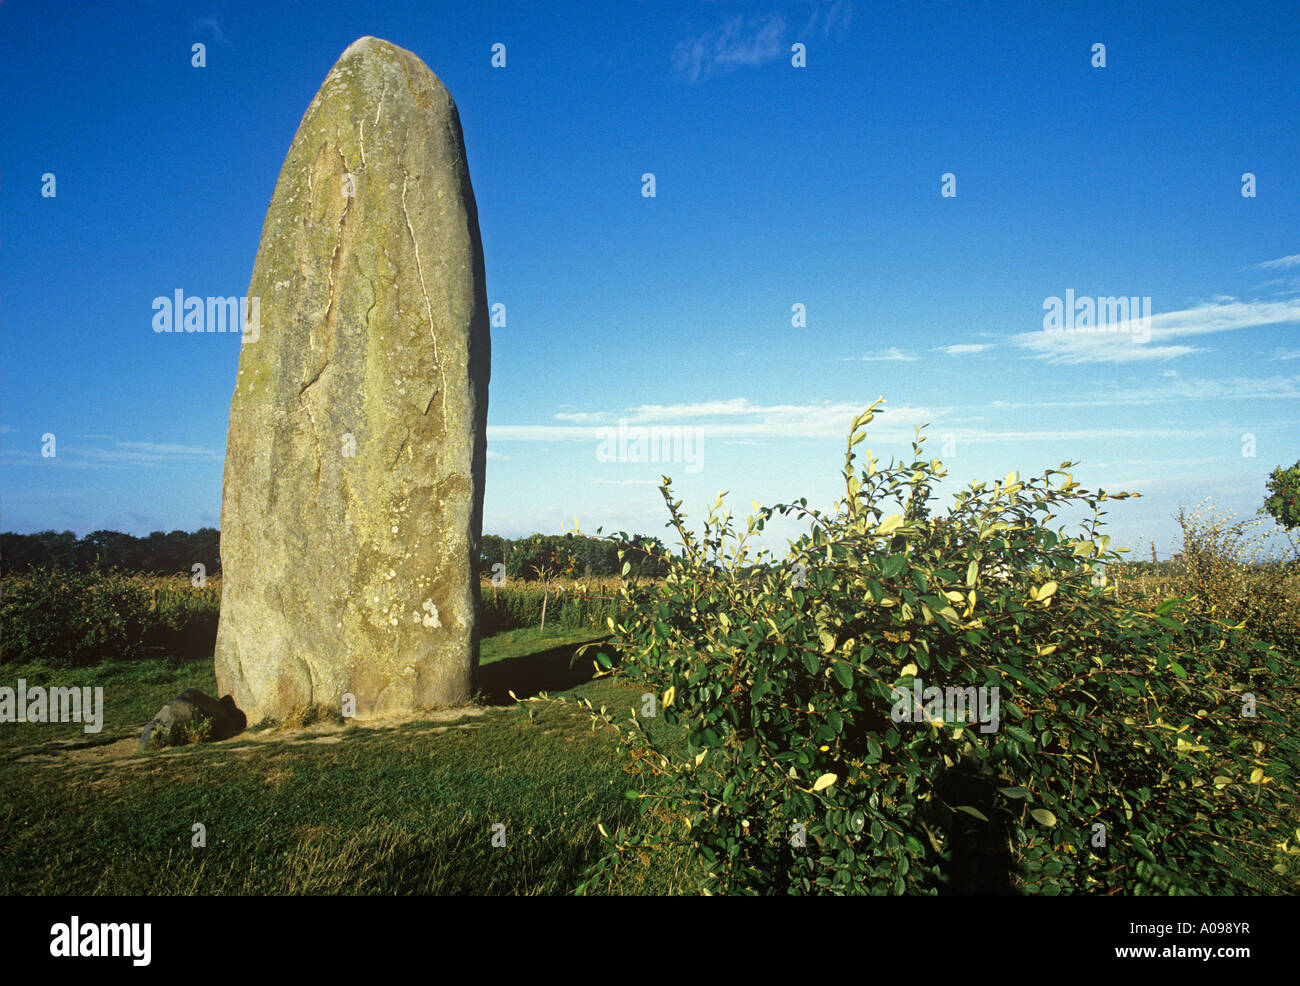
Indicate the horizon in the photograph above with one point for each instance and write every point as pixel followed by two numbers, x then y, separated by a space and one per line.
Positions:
pixel 802 255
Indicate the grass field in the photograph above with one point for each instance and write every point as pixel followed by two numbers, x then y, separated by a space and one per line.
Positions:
pixel 397 808
pixel 328 809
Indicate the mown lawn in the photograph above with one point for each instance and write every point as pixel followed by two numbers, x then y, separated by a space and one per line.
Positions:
pixel 331 809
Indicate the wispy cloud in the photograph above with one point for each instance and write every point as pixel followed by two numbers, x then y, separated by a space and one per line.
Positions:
pixel 1281 263
pixel 739 419
pixel 1121 345
pixel 582 417
pixel 741 41
pixel 120 456
pixel 1177 388
pixel 211 25
pixel 828 17
pixel 153 448
pixel 892 353
pixel 1281 354
pixel 735 419
pixel 965 348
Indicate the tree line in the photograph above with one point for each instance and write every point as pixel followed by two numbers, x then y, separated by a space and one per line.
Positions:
pixel 537 556
pixel 160 553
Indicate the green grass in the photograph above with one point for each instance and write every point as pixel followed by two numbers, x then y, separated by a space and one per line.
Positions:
pixel 400 810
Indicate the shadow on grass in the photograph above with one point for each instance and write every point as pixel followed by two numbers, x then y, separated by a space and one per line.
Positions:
pixel 543 671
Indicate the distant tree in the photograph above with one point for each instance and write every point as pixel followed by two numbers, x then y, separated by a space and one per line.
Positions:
pixel 570 555
pixel 1283 502
pixel 159 553
pixel 205 548
pixel 492 549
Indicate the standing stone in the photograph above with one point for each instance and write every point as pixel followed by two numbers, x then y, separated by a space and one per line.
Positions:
pixel 353 496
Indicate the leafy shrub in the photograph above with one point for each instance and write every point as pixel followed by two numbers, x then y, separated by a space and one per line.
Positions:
pixel 64 618
pixel 1117 760
pixel 1226 569
pixel 1283 501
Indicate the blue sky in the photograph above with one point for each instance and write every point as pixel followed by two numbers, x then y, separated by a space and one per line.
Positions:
pixel 775 186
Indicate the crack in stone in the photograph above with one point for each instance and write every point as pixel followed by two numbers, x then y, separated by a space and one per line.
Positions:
pixel 419 269
pixel 308 384
pixel 406 440
pixel 374 300
pixel 327 325
pixel 336 262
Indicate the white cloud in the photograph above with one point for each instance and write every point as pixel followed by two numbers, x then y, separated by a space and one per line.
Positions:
pixel 121 456
pixel 737 419
pixel 740 41
pixel 1177 389
pixel 152 448
pixel 1121 345
pixel 581 417
pixel 1280 263
pixel 963 349
pixel 212 25
pixel 829 17
pixel 890 354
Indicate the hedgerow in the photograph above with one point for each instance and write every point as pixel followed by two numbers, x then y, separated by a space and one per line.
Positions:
pixel 1109 750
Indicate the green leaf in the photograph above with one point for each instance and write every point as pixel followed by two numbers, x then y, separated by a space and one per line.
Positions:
pixel 892 565
pixel 844 674
pixel 1020 734
pixel 1043 817
pixel 1140 844
pixel 973 812
pixel 890 524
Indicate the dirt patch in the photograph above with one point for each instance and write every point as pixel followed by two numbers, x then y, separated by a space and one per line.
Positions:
pixel 115 754
pixel 122 752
